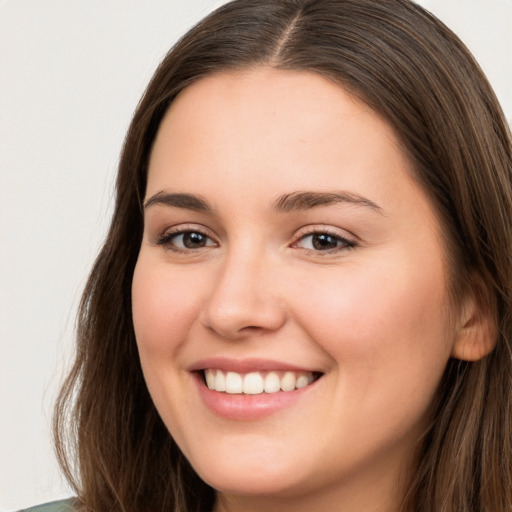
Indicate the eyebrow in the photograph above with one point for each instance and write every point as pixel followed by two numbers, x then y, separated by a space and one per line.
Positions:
pixel 299 201
pixel 179 200
pixel 295 201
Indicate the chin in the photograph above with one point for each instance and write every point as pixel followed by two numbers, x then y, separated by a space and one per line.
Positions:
pixel 252 483
pixel 253 475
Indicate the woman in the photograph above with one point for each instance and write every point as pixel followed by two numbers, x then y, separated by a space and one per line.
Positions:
pixel 304 299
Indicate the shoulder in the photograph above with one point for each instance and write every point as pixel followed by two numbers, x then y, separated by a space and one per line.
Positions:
pixel 55 506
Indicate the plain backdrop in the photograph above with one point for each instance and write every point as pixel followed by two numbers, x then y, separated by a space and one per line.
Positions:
pixel 71 73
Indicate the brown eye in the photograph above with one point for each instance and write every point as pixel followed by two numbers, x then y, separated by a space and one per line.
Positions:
pixel 324 242
pixel 194 240
pixel 186 240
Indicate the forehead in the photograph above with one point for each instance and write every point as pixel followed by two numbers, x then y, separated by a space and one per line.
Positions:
pixel 247 98
pixel 275 121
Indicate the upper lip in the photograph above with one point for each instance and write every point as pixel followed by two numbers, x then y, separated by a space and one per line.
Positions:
pixel 247 365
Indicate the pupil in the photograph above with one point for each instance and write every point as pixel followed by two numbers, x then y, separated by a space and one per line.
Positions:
pixel 193 240
pixel 323 242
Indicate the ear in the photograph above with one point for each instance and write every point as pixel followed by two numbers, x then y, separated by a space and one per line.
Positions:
pixel 477 333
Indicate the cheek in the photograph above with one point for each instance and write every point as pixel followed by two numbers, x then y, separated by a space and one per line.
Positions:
pixel 167 301
pixel 386 333
pixel 164 305
pixel 379 304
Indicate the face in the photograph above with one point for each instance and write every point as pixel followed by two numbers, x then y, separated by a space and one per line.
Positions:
pixel 289 299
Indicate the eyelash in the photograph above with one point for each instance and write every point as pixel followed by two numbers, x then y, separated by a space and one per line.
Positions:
pixel 166 240
pixel 345 244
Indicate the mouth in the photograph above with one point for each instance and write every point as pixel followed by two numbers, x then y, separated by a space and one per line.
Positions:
pixel 257 383
pixel 253 389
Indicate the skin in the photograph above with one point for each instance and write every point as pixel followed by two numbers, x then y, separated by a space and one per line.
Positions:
pixel 371 316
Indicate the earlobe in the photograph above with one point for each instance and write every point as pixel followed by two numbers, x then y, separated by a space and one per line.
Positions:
pixel 476 335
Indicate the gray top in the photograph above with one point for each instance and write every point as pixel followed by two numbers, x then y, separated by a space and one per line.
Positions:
pixel 54 506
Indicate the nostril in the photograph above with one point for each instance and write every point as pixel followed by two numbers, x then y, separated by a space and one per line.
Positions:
pixel 251 328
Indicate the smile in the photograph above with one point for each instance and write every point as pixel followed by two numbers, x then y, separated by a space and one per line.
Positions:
pixel 252 389
pixel 256 383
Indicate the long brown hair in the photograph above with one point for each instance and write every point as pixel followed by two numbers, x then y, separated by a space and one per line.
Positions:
pixel 409 67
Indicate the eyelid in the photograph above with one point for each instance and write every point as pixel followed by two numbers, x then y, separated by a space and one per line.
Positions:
pixel 348 238
pixel 163 237
pixel 327 229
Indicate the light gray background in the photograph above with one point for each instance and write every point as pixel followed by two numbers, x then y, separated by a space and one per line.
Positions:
pixel 71 73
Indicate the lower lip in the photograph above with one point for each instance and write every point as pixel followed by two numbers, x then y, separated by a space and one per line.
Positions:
pixel 243 407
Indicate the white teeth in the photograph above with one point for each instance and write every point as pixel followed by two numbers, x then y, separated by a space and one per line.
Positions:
pixel 272 383
pixel 220 381
pixel 210 379
pixel 234 384
pixel 288 381
pixel 255 383
pixel 303 380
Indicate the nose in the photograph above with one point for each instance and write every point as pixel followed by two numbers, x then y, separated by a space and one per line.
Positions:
pixel 245 300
